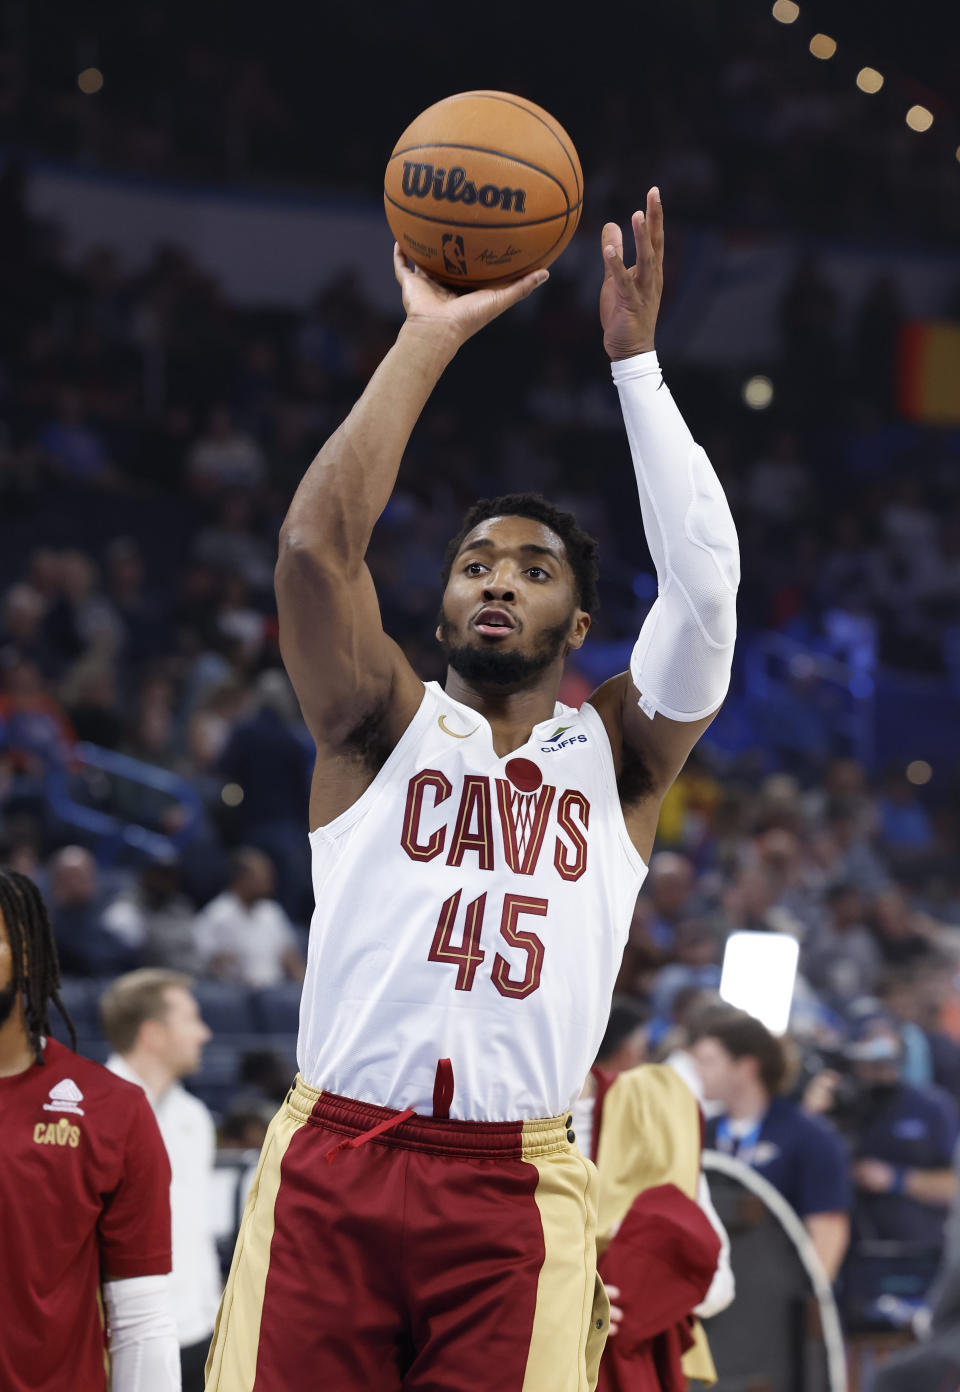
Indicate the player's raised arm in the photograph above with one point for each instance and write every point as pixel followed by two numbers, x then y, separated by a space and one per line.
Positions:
pixel 680 669
pixel 342 665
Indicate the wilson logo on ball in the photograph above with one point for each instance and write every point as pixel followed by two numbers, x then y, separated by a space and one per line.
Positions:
pixel 422 180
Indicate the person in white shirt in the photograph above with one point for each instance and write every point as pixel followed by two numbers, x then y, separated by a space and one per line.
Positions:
pixel 152 1020
pixel 243 934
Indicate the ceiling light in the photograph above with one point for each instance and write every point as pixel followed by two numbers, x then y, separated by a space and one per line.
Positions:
pixel 90 81
pixel 919 118
pixel 869 80
pixel 758 393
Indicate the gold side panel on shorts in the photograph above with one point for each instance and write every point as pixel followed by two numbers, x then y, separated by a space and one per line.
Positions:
pixel 565 1344
pixel 232 1360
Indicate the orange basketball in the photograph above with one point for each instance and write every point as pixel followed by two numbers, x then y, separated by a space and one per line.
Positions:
pixel 483 187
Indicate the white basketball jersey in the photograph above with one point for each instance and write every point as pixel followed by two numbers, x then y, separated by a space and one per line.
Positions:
pixel 470 907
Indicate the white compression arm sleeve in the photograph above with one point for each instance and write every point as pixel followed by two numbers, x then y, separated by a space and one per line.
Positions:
pixel 144 1353
pixel 681 663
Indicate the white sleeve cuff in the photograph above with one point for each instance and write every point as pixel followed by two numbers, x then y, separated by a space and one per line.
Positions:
pixel 640 365
pixel 142 1337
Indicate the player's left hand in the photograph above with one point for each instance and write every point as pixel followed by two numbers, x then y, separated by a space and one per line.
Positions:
pixel 616 1314
pixel 876 1176
pixel 630 298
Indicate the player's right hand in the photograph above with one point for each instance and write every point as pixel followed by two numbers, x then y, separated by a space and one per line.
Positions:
pixel 616 1313
pixel 458 315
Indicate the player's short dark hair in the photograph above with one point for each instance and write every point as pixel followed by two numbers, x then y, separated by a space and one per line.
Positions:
pixel 743 1036
pixel 135 998
pixel 625 1017
pixel 580 546
pixel 36 967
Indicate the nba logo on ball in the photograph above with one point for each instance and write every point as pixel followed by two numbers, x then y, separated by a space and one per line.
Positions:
pixel 453 260
pixel 496 176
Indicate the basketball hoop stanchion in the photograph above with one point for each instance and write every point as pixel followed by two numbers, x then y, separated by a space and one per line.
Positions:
pixel 836 1362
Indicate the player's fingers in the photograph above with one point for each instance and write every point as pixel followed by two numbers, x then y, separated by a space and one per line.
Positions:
pixel 613 1292
pixel 615 270
pixel 402 268
pixel 611 248
pixel 655 222
pixel 641 237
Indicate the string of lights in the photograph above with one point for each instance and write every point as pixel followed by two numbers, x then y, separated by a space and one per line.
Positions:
pixel 868 79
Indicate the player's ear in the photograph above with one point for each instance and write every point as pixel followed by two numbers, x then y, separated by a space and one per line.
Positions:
pixel 579 629
pixel 437 633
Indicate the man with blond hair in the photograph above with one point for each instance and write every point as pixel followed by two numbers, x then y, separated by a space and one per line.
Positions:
pixel 153 1022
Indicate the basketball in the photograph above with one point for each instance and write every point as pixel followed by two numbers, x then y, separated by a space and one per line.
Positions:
pixel 483 187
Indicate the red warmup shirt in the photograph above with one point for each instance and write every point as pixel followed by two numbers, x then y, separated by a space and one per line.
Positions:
pixel 84 1197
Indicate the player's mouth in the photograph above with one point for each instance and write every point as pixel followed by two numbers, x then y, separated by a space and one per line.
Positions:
pixel 494 623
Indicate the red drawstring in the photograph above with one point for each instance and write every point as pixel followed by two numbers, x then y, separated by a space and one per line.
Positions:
pixel 443 1089
pixel 355 1142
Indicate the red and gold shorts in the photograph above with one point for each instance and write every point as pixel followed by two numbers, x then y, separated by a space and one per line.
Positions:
pixel 430 1256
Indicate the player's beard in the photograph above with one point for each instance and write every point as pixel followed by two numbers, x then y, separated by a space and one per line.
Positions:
pixel 491 666
pixel 8 999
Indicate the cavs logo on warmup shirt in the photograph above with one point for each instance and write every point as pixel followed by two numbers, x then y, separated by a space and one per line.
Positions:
pixel 59 1133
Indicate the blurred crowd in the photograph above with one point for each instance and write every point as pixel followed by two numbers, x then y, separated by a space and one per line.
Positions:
pixel 152 435
pixel 748 129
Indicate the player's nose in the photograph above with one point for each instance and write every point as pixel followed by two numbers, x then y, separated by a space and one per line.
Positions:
pixel 498 589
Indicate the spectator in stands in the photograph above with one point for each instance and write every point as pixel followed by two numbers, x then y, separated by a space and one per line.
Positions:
pixel 931 985
pixel 743 1067
pixel 695 967
pixel 906 830
pixel 902 1139
pixel 92 702
pixel 22 635
pixel 841 959
pixel 233 544
pixel 844 850
pixel 245 1126
pixel 244 935
pixel 935 1361
pixel 82 620
pixel 224 457
pixel 271 763
pixel 144 623
pixel 669 895
pixel 155 917
pixel 87 947
pixel 902 932
pixel 266 1073
pixel 752 902
pixel 34 729
pixel 153 1023
pixel 76 450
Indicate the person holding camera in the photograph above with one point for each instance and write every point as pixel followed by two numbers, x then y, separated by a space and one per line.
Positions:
pixel 902 1138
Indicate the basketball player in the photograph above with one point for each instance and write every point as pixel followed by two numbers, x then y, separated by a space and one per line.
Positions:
pixel 84 1193
pixel 422 1218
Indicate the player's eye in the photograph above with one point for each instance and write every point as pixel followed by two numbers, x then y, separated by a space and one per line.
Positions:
pixel 538 573
pixel 474 567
